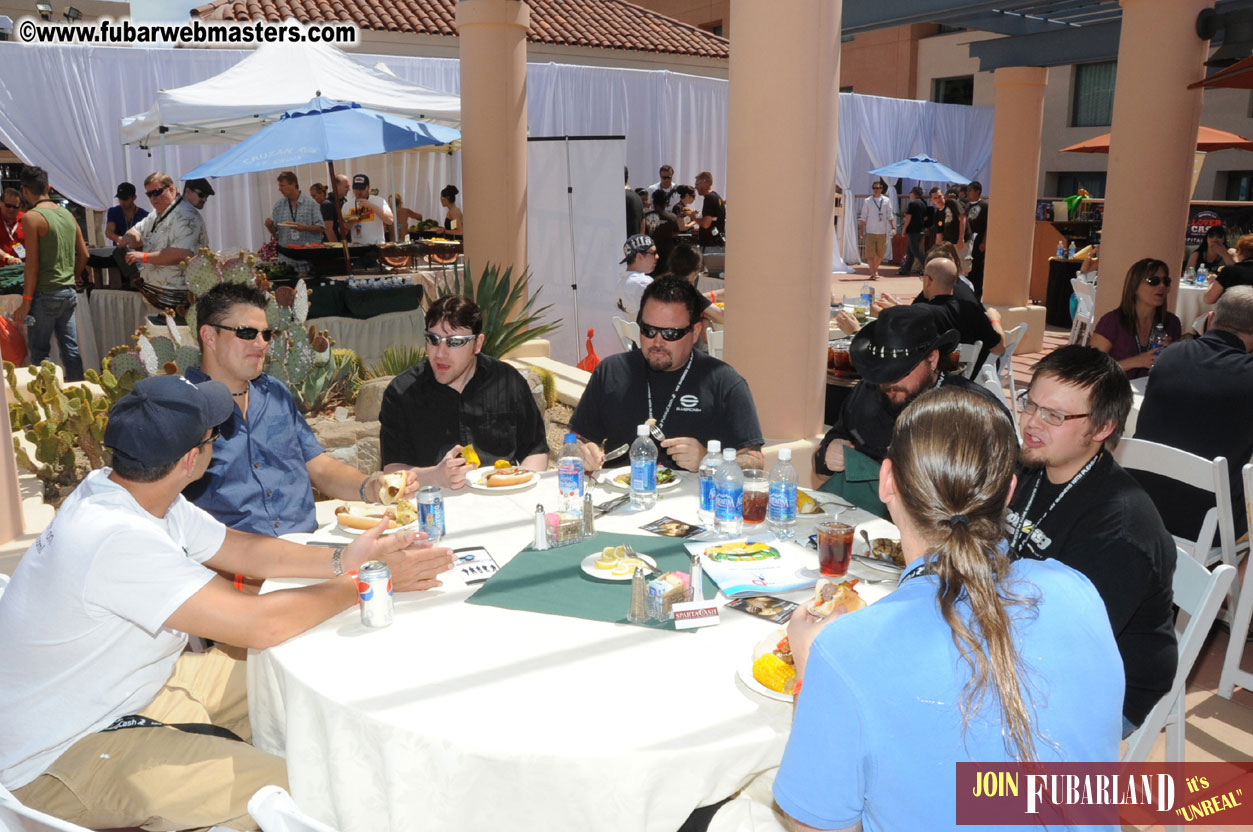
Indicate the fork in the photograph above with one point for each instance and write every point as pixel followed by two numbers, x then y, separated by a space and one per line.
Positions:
pixel 655 431
pixel 630 551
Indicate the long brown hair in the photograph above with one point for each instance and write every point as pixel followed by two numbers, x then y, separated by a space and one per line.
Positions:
pixel 1135 276
pixel 953 457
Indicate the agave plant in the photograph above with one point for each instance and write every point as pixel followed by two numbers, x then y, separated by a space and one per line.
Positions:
pixel 395 360
pixel 507 321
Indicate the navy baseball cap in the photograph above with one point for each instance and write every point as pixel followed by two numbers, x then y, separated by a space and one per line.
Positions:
pixel 360 181
pixel 636 244
pixel 164 417
pixel 200 185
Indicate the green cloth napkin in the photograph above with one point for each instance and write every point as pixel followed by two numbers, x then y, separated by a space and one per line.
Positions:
pixel 858 483
pixel 552 582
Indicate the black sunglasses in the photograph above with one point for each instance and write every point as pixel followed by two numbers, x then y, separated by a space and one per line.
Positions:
pixel 668 333
pixel 213 435
pixel 1154 280
pixel 247 333
pixel 11 206
pixel 155 192
pixel 201 194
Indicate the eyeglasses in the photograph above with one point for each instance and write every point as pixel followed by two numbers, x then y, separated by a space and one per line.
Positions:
pixel 875 188
pixel 1154 280
pixel 1049 417
pixel 668 333
pixel 154 193
pixel 214 433
pixel 247 333
pixel 11 207
pixel 451 341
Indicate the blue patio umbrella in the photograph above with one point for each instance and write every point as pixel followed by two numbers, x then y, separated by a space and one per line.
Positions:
pixel 324 130
pixel 923 168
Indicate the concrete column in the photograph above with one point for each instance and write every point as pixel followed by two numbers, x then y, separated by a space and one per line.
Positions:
pixel 784 91
pixel 1017 121
pixel 11 521
pixel 1153 140
pixel 492 47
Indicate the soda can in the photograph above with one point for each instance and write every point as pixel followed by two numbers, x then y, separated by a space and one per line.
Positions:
pixel 431 511
pixel 374 592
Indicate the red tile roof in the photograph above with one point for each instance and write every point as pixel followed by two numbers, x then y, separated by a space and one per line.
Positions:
pixel 602 24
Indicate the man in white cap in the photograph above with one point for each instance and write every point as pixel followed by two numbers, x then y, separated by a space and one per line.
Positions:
pixel 639 253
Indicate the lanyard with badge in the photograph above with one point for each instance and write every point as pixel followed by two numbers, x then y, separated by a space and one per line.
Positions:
pixel 674 394
pixel 1026 528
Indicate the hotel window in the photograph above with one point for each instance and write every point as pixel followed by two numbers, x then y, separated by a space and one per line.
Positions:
pixel 959 90
pixel 1093 104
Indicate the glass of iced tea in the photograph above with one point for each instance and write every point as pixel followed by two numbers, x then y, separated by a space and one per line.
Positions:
pixel 756 496
pixel 835 548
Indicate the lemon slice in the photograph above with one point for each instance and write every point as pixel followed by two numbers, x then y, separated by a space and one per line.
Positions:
pixel 620 551
pixel 623 569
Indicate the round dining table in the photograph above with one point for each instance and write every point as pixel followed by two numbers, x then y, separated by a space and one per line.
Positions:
pixel 1190 304
pixel 461 716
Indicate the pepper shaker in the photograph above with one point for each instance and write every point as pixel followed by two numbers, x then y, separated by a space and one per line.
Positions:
pixel 589 525
pixel 638 613
pixel 541 533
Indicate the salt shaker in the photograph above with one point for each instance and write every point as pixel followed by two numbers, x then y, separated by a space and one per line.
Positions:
pixel 638 614
pixel 541 533
pixel 589 525
pixel 696 586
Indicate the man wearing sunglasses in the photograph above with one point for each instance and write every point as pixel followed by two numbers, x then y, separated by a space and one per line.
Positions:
pixel 267 460
pixel 457 397
pixel 12 239
pixel 107 722
pixel 1076 504
pixel 693 397
pixel 161 241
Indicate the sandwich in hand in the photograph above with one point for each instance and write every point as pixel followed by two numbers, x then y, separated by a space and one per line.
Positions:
pixel 830 596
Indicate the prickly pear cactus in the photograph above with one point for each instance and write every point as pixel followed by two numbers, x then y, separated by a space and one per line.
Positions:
pixel 202 272
pixel 239 270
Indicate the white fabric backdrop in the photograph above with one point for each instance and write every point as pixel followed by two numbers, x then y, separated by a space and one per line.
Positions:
pixel 666 117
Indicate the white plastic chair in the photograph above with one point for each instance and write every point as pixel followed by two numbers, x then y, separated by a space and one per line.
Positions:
pixel 1081 326
pixel 275 810
pixel 1004 362
pixel 1198 472
pixel 987 377
pixel 714 340
pixel 1198 592
pixel 968 355
pixel 628 333
pixel 1232 674
pixel 14 817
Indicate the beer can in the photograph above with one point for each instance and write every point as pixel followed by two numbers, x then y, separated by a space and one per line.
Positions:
pixel 374 592
pixel 431 511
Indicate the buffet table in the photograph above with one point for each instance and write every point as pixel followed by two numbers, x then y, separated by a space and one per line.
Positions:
pixel 84 322
pixel 463 716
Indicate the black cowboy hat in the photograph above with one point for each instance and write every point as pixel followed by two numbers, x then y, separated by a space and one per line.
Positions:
pixel 886 350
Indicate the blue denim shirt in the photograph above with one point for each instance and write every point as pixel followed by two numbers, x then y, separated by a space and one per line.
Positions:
pixel 257 481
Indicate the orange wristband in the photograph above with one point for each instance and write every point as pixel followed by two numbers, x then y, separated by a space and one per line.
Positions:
pixel 796 688
pixel 28 297
pixel 239 582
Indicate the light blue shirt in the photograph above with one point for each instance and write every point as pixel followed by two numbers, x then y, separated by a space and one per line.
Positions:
pixel 878 730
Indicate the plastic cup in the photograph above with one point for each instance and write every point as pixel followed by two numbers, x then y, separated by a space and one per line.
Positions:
pixel 835 548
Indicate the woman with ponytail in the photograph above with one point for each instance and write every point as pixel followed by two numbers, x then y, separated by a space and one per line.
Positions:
pixel 974 658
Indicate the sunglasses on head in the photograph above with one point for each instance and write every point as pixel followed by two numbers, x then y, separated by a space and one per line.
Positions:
pixel 1153 280
pixel 155 192
pixel 668 333
pixel 246 333
pixel 452 341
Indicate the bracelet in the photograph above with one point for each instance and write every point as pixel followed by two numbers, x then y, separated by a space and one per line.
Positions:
pixel 145 257
pixel 337 561
pixel 30 298
pixel 239 582
pixel 796 688
pixel 361 491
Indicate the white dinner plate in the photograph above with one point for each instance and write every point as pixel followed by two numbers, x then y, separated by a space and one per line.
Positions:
pixel 415 525
pixel 589 567
pixel 476 480
pixel 609 479
pixel 745 669
pixel 874 528
pixel 830 505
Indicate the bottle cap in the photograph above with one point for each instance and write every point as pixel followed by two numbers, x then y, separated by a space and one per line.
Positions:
pixel 785 455
pixel 570 438
pixel 641 430
pixel 728 454
pixel 714 446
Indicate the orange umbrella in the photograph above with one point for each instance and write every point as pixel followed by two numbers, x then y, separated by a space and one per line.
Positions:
pixel 1237 76
pixel 1207 140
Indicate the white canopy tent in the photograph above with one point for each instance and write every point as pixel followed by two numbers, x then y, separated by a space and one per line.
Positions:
pixel 231 106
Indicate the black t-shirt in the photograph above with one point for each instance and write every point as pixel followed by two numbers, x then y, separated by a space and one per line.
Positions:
pixel 714 402
pixel 948 221
pixel 422 419
pixel 1107 528
pixel 867 422
pixel 916 211
pixel 1199 399
pixel 634 213
pixel 1237 274
pixel 977 219
pixel 968 318
pixel 716 208
pixel 329 209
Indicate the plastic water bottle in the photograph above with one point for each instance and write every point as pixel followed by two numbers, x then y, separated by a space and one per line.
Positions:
pixel 1061 249
pixel 1070 252
pixel 867 297
pixel 570 481
pixel 729 496
pixel 643 470
pixel 1202 275
pixel 1157 338
pixel 1189 277
pixel 781 513
pixel 708 467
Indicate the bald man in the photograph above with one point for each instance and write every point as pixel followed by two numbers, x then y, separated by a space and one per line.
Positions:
pixel 963 313
pixel 332 211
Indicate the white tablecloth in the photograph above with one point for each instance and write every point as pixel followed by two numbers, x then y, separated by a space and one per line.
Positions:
pixel 83 321
pixel 1191 305
pixel 1138 386
pixel 470 717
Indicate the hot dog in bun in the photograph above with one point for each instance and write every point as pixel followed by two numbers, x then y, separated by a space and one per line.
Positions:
pixel 349 520
pixel 393 487
pixel 502 477
pixel 830 596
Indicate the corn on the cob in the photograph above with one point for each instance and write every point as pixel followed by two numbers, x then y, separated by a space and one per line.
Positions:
pixel 774 673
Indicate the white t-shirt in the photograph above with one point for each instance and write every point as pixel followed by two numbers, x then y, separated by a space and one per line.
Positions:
pixel 631 286
pixel 876 213
pixel 367 226
pixel 82 635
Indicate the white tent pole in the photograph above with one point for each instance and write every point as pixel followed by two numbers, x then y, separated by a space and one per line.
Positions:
pixel 391 175
pixel 162 152
pixel 574 263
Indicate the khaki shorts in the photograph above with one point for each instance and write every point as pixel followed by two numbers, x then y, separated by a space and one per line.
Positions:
pixel 876 245
pixel 161 778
